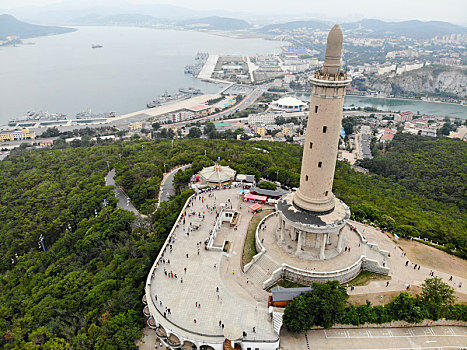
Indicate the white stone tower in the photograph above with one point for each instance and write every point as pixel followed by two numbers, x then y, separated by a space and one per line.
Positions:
pixel 312 220
pixel 323 129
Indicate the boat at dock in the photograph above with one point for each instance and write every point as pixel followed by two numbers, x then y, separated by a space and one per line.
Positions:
pixel 190 91
pixel 166 98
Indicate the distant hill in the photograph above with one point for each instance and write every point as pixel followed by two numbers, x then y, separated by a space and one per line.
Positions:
pixel 10 26
pixel 376 28
pixel 66 12
pixel 295 25
pixel 216 23
pixel 117 19
pixel 413 29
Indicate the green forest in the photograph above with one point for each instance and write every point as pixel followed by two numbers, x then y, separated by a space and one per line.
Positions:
pixel 85 291
pixel 433 168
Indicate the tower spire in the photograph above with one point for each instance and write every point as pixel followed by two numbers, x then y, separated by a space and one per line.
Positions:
pixel 332 61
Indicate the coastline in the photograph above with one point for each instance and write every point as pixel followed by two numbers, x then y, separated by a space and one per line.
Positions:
pixel 409 99
pixel 392 98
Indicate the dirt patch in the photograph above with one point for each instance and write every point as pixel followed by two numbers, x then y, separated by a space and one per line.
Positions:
pixel 375 298
pixel 433 258
pixel 365 277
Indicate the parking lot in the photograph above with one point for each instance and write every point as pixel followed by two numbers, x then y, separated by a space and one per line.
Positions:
pixel 379 338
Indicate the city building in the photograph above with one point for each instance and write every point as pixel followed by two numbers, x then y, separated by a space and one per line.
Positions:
pixel 135 126
pixel 403 116
pixel 402 68
pixel 217 175
pixel 201 110
pixel 421 126
pixel 17 135
pixel 261 130
pixel 387 136
pixel 262 118
pixel 288 104
pixel 177 116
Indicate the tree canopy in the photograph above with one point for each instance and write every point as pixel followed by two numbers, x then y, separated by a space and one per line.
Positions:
pixel 89 283
pixel 326 305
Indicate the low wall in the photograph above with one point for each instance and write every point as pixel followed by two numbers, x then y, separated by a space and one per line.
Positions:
pixel 373 266
pixel 306 277
pixel 216 229
pixel 258 244
pixel 276 276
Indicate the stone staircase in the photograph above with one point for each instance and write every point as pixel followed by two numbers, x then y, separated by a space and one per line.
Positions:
pixel 256 275
pixel 261 270
pixel 277 321
pixel 267 264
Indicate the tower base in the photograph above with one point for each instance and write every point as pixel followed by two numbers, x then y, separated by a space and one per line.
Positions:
pixel 312 235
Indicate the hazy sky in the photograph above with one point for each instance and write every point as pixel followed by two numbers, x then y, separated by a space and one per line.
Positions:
pixel 444 10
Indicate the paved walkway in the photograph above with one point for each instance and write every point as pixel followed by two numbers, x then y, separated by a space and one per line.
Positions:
pixel 205 272
pixel 402 275
pixel 238 300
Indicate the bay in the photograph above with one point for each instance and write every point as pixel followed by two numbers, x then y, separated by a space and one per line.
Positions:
pixel 63 74
pixel 400 105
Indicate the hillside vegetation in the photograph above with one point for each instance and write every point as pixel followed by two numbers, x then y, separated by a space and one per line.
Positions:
pixel 433 168
pixel 85 291
pixel 10 26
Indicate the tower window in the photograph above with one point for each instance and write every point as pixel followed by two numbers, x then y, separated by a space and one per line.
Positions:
pixel 326 193
pixel 306 177
pixel 311 145
pixel 320 164
pixel 316 109
pixel 325 128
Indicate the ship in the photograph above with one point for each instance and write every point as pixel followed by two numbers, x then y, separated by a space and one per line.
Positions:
pixel 96 46
pixel 166 98
pixel 190 91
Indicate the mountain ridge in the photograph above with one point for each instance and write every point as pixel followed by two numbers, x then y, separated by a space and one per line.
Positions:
pixel 10 26
pixel 411 28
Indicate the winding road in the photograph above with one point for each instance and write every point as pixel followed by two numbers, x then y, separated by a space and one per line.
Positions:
pixel 167 188
pixel 123 200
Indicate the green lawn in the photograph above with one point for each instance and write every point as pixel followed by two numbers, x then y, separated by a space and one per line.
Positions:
pixel 365 277
pixel 249 249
